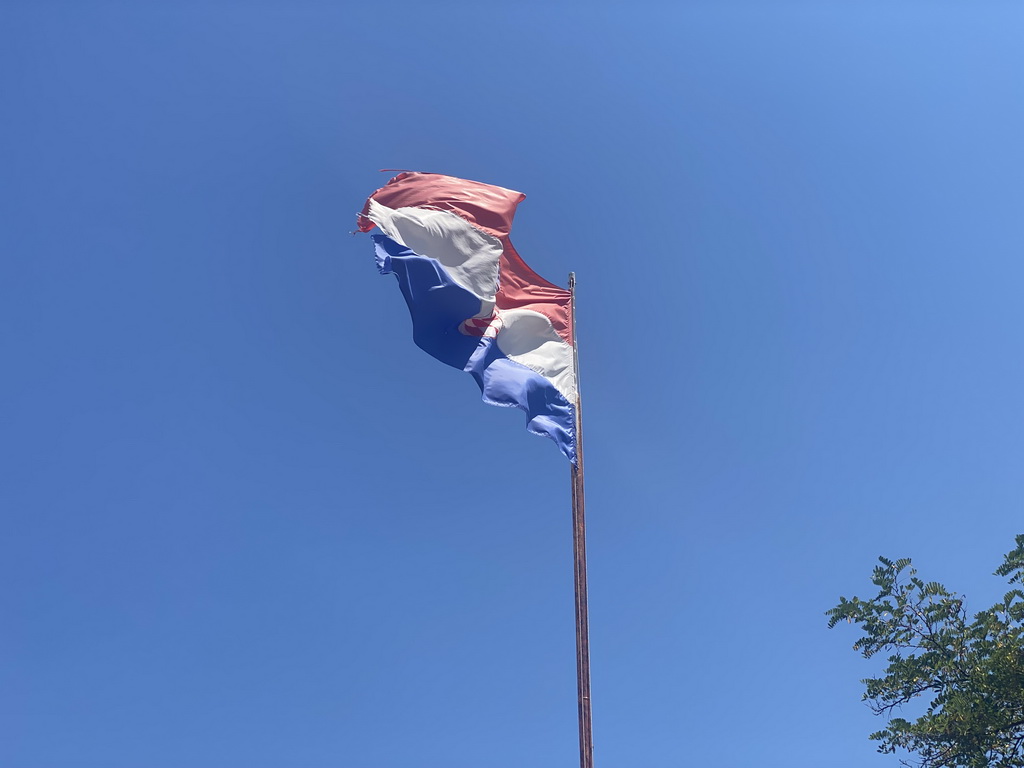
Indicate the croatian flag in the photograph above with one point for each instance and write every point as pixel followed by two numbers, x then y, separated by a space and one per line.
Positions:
pixel 474 302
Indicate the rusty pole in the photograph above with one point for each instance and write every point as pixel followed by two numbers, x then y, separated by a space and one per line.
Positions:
pixel 579 542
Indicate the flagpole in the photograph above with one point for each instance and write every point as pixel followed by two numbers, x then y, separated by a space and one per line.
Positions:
pixel 579 545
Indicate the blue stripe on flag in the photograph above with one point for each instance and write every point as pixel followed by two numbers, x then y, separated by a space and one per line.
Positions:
pixel 438 306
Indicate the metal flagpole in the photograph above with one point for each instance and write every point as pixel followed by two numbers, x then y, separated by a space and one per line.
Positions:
pixel 579 544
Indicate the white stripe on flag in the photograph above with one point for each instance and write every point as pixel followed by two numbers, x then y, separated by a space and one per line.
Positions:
pixel 470 256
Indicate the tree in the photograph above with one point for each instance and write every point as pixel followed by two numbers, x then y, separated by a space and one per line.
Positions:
pixel 972 671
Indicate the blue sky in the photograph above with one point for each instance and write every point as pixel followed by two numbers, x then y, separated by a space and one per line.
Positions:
pixel 246 522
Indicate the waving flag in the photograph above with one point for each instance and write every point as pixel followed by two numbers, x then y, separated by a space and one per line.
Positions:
pixel 474 302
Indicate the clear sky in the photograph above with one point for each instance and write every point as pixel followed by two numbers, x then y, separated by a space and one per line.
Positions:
pixel 246 523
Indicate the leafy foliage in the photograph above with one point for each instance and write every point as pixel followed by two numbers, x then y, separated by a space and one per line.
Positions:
pixel 970 672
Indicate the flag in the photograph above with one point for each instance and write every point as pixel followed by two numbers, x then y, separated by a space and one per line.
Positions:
pixel 475 304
